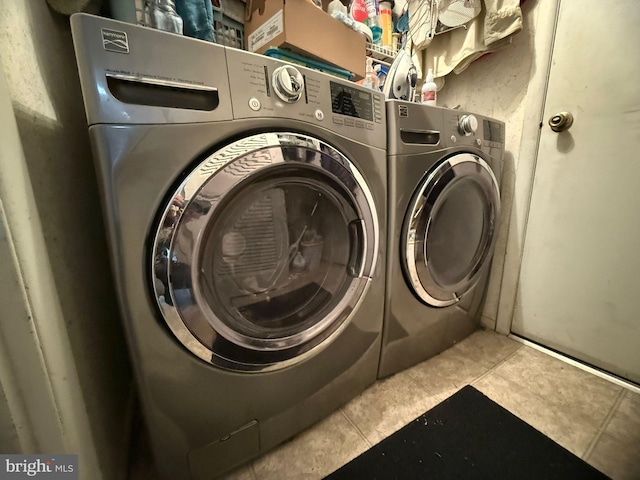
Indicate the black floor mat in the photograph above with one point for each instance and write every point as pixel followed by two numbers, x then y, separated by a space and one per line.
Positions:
pixel 468 436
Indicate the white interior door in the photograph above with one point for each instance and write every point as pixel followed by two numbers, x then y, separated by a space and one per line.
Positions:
pixel 579 290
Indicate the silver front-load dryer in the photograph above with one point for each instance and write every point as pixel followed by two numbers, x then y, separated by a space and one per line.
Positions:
pixel 245 201
pixel 444 208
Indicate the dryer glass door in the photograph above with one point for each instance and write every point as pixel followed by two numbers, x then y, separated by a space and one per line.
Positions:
pixel 450 229
pixel 264 251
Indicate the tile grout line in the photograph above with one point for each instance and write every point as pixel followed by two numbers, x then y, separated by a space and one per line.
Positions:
pixel 468 358
pixel 604 425
pixel 356 427
pixel 421 386
pixel 526 386
pixel 254 475
pixel 582 366
pixel 439 397
pixel 605 421
pixel 495 367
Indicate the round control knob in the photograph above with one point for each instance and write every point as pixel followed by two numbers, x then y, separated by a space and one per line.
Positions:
pixel 288 83
pixel 468 124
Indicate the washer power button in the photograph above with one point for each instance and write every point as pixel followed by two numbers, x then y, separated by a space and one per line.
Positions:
pixel 254 104
pixel 319 114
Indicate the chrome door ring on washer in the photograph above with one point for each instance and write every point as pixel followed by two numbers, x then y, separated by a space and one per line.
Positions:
pixel 211 296
pixel 448 244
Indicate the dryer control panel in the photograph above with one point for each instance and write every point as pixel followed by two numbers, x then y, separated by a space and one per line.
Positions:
pixel 264 87
pixel 472 130
pixel 416 128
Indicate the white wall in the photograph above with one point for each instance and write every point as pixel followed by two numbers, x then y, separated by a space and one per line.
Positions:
pixel 509 85
pixel 78 304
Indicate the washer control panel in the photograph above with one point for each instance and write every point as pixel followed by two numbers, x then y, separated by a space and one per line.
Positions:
pixel 266 87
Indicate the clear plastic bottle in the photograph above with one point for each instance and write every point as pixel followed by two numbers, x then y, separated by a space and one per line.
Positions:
pixel 428 96
pixel 374 20
pixel 371 79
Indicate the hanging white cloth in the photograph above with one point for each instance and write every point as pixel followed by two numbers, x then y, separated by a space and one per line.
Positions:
pixel 423 17
pixel 454 50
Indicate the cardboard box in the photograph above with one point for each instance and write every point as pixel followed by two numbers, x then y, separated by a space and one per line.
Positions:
pixel 299 26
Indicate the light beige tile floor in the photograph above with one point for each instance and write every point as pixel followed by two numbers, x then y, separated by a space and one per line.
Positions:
pixel 595 419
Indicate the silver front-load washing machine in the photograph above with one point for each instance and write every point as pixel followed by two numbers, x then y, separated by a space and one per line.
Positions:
pixel 444 209
pixel 245 202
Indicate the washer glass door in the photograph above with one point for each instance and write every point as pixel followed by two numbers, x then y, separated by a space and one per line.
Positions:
pixel 450 230
pixel 264 251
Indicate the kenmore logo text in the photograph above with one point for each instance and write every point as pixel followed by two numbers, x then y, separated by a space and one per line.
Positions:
pixel 115 41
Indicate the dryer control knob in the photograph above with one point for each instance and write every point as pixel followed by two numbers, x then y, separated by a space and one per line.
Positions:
pixel 468 124
pixel 288 83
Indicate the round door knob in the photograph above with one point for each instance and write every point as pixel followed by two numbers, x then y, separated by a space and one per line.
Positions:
pixel 288 83
pixel 468 124
pixel 561 121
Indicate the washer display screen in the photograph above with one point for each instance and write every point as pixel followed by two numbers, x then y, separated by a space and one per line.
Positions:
pixel 351 101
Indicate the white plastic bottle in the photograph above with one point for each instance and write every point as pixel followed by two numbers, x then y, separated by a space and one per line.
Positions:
pixel 428 96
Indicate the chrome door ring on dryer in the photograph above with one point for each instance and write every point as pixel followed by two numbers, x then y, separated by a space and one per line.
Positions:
pixel 441 276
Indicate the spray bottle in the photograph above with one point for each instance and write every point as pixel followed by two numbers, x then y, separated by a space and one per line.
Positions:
pixel 371 80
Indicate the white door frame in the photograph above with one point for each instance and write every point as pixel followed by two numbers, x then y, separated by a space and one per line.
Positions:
pixel 533 119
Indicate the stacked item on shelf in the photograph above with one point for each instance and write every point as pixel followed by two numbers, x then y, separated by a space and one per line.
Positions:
pixel 228 22
pixel 300 27
pixel 219 21
pixel 298 31
pixel 382 54
pixel 291 57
